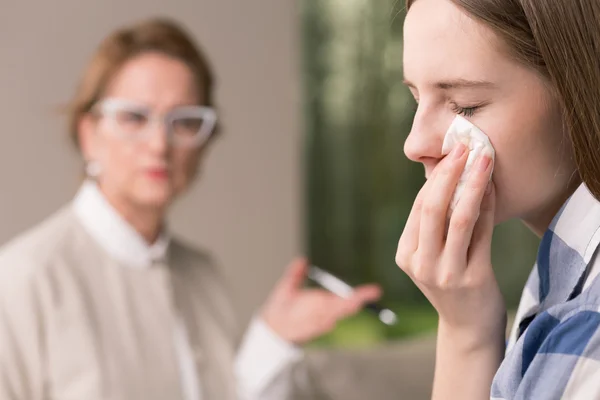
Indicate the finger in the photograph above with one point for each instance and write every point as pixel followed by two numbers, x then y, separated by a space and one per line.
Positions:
pixel 435 208
pixel 484 228
pixel 467 212
pixel 367 293
pixel 410 235
pixel 293 278
pixel 409 240
pixel 411 227
pixel 361 296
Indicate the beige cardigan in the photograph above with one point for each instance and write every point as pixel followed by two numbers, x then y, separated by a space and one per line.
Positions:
pixel 76 325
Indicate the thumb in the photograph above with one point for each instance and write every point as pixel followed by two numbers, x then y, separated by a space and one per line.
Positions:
pixel 293 278
pixel 484 227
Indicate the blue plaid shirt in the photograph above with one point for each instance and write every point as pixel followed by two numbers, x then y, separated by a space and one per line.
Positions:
pixel 554 348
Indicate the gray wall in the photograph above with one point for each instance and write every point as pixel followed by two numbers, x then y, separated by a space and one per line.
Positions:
pixel 246 209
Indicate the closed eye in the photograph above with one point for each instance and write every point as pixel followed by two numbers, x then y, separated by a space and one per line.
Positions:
pixel 465 111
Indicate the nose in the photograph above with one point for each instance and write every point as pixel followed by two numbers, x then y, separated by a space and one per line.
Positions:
pixel 157 139
pixel 424 142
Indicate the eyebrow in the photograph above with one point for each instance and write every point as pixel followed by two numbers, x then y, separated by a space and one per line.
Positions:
pixel 456 84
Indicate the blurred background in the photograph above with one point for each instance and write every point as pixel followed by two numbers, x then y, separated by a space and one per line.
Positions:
pixel 314 115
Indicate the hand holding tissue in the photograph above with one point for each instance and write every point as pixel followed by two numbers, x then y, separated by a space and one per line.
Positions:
pixel 463 131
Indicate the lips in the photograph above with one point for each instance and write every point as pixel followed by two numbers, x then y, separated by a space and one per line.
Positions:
pixel 157 172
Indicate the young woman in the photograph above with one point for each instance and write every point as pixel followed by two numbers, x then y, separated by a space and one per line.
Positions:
pixel 527 73
pixel 99 301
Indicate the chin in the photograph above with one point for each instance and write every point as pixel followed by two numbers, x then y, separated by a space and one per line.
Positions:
pixel 156 197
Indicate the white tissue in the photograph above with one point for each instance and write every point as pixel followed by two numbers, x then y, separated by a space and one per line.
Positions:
pixel 463 131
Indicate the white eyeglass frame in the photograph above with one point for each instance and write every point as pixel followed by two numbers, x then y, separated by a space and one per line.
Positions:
pixel 108 108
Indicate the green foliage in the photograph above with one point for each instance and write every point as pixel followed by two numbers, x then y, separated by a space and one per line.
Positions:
pixel 364 329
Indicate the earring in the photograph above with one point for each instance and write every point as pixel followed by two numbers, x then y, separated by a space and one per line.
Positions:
pixel 93 169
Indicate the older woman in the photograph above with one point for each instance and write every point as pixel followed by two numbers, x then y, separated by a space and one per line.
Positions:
pixel 100 301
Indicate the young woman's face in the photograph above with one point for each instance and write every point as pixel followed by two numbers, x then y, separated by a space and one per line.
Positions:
pixel 455 65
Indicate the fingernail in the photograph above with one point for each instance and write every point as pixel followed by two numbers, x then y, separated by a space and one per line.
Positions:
pixel 458 151
pixel 484 162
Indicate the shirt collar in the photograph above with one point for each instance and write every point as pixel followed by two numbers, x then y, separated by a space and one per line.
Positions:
pixel 567 248
pixel 113 232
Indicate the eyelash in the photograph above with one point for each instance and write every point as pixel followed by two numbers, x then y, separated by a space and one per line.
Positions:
pixel 464 111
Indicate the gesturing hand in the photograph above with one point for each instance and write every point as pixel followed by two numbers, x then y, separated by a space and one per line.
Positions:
pixel 299 315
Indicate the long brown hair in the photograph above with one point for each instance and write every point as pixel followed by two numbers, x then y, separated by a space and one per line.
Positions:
pixel 152 35
pixel 561 40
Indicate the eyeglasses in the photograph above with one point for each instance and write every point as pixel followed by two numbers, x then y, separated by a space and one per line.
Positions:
pixel 186 126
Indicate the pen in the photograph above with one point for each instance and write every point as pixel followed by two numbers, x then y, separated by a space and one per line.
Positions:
pixel 337 286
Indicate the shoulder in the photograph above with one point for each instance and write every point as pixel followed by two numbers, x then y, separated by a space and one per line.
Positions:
pixel 29 253
pixel 558 348
pixel 557 354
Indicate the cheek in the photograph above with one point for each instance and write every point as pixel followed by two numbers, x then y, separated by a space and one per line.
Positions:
pixel 119 158
pixel 532 162
pixel 184 164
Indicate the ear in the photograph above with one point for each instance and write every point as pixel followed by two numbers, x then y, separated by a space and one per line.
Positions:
pixel 86 135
